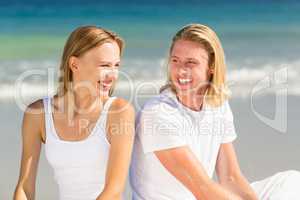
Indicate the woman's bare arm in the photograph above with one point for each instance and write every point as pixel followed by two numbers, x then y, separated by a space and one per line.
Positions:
pixel 31 146
pixel 230 175
pixel 183 165
pixel 121 137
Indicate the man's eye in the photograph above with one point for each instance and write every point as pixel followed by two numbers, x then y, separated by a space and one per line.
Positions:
pixel 191 64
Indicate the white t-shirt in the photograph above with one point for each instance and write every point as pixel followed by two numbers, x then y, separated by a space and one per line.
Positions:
pixel 165 123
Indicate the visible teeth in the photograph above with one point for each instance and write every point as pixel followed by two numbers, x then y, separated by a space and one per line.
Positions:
pixel 183 81
pixel 106 84
pixel 103 84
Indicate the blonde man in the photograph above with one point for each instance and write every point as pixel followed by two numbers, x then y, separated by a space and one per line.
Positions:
pixel 186 132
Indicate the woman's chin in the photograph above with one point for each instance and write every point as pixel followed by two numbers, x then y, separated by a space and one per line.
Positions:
pixel 104 91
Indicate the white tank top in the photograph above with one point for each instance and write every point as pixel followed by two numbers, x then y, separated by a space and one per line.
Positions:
pixel 79 166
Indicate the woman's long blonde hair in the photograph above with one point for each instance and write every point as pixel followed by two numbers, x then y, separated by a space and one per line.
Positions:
pixel 79 42
pixel 217 92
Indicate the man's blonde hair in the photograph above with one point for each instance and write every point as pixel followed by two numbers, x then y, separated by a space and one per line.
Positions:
pixel 217 92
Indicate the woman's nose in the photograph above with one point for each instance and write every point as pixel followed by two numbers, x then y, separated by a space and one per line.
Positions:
pixel 109 73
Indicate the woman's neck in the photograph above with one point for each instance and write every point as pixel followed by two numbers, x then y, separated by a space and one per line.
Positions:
pixel 82 103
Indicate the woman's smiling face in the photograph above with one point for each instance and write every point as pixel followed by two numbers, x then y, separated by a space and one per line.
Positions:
pixel 188 65
pixel 97 69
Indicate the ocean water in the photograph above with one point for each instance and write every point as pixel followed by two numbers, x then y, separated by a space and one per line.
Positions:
pixel 258 38
pixel 261 43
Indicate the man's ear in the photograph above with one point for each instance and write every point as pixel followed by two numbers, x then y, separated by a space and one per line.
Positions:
pixel 73 63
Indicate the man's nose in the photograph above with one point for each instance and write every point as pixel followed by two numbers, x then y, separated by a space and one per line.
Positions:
pixel 183 71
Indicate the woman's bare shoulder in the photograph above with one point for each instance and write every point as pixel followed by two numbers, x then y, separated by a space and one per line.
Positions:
pixel 33 120
pixel 120 105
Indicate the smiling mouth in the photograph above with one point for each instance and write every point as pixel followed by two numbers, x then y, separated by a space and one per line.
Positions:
pixel 184 81
pixel 104 84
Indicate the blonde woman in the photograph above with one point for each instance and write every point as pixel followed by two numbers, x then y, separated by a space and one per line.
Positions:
pixel 87 133
pixel 186 132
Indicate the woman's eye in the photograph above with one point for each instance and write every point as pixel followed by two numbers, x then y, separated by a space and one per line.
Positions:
pixel 104 66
